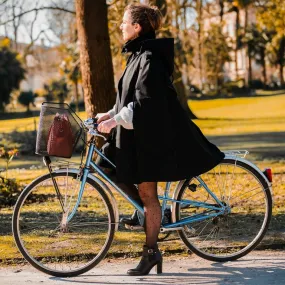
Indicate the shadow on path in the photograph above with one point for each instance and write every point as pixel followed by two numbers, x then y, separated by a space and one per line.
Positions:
pixel 268 145
pixel 262 270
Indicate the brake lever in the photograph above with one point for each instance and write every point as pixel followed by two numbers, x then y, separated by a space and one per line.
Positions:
pixel 95 133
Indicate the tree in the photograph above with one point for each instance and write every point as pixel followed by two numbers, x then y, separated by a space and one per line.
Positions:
pixel 56 90
pixel 276 54
pixel 11 73
pixel 222 9
pixel 70 66
pixel 27 98
pixel 237 5
pixel 216 53
pixel 257 40
pixel 184 51
pixel 271 13
pixel 95 56
pixel 199 11
pixel 19 15
pixel 271 16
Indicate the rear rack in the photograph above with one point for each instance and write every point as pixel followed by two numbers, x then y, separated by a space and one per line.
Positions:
pixel 59 164
pixel 239 153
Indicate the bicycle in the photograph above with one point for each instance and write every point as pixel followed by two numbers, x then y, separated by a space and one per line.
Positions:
pixel 64 221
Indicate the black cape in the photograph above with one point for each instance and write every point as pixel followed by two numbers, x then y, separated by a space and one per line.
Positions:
pixel 165 145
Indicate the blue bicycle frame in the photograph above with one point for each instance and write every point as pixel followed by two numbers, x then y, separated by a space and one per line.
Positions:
pixel 212 210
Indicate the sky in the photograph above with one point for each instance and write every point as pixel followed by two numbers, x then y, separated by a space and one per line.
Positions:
pixel 42 23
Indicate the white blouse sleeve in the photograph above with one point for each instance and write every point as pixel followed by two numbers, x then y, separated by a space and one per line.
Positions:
pixel 125 117
pixel 112 112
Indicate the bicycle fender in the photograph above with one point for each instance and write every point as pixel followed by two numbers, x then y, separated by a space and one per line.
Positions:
pixel 245 161
pixel 174 197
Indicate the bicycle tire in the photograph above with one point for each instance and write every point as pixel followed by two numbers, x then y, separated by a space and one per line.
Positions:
pixel 243 249
pixel 36 262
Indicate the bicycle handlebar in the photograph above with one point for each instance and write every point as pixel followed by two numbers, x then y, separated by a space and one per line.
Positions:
pixel 91 125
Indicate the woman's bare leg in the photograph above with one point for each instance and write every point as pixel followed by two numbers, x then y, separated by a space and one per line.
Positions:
pixel 148 194
pixel 151 256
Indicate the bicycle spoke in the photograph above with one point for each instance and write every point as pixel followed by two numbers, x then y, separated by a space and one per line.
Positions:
pixel 241 225
pixel 50 240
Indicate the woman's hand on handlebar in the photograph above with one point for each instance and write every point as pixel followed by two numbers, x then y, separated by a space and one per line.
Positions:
pixel 102 117
pixel 106 126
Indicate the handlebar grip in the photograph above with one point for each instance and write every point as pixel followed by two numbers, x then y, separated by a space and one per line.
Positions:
pixel 95 122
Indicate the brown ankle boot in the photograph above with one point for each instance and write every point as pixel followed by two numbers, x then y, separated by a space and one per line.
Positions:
pixel 150 258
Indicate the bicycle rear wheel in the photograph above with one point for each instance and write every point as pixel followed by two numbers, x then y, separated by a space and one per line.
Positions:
pixel 231 235
pixel 49 243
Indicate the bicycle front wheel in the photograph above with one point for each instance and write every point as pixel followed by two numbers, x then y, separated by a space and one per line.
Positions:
pixel 236 232
pixel 50 242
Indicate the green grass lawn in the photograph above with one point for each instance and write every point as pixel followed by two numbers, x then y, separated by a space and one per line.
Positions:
pixel 256 124
pixel 25 124
pixel 240 115
pixel 241 108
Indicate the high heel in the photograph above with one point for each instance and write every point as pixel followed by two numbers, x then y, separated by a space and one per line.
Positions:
pixel 159 267
pixel 150 258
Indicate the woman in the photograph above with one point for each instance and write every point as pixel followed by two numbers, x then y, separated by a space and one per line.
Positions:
pixel 155 140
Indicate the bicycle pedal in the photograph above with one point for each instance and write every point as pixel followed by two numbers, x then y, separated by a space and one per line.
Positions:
pixel 133 228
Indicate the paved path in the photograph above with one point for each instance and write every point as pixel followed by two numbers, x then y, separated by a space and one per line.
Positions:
pixel 258 268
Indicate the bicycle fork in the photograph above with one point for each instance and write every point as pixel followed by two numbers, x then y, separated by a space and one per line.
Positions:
pixel 67 215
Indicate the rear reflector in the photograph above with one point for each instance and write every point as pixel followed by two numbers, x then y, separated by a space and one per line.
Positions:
pixel 268 173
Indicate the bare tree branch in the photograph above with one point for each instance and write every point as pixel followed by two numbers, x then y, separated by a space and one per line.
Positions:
pixel 30 32
pixel 27 49
pixel 48 38
pixel 33 23
pixel 36 10
pixel 16 21
pixel 3 2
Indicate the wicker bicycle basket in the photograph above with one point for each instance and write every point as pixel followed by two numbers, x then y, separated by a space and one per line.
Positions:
pixel 50 112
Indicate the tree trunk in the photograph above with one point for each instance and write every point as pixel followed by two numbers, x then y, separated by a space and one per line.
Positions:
pixel 221 3
pixel 200 29
pixel 281 60
pixel 249 65
pixel 217 81
pixel 281 67
pixel 76 95
pixel 249 72
pixel 263 63
pixel 95 56
pixel 237 41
